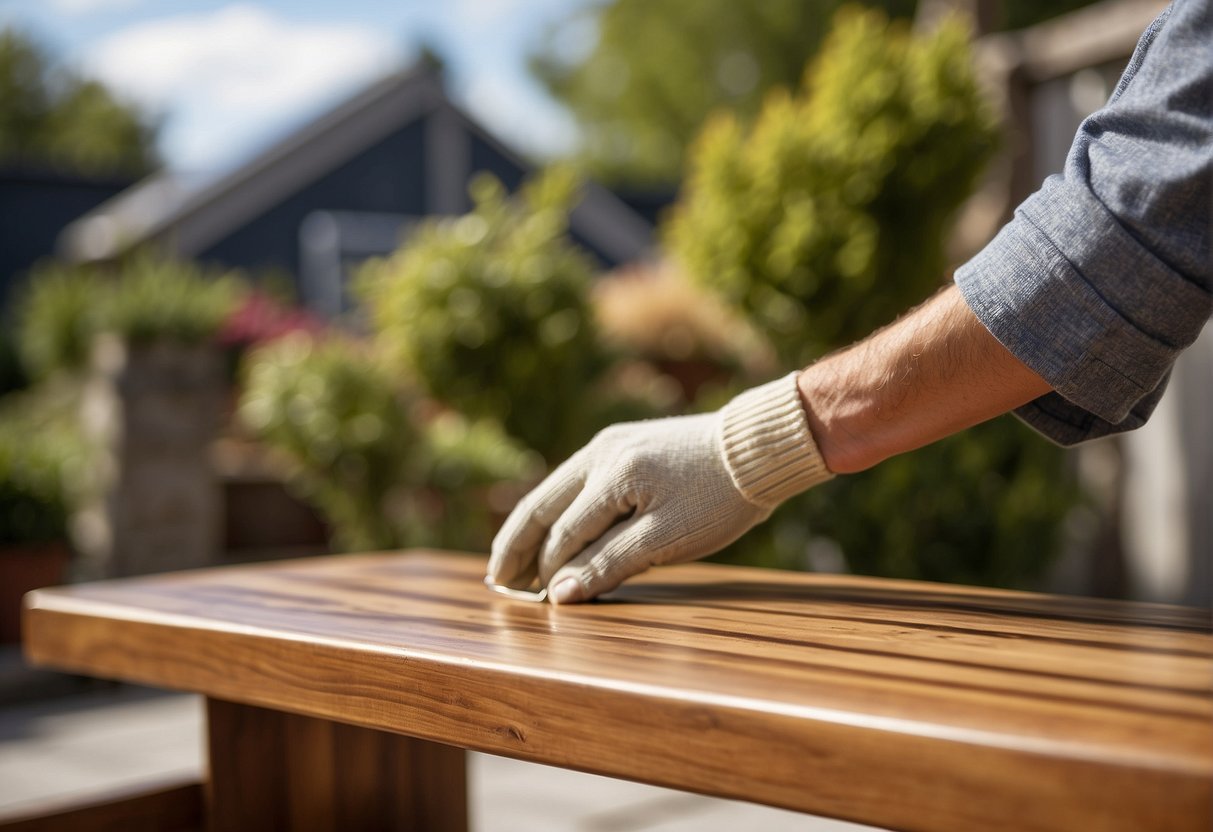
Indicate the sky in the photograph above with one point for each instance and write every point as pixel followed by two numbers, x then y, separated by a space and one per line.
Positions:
pixel 227 78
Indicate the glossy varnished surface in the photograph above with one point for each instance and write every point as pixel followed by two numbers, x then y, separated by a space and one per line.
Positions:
pixel 914 706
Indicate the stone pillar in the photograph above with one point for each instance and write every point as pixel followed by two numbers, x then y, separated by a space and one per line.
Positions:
pixel 152 411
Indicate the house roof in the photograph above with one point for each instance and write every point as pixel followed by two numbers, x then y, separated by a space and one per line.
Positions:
pixel 167 209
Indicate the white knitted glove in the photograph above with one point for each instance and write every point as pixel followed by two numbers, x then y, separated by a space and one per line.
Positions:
pixel 656 492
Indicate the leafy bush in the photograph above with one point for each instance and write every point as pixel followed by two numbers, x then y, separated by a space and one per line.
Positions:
pixel 12 373
pixel 161 299
pixel 147 298
pixel 822 223
pixel 359 448
pixel 985 506
pixel 43 455
pixel 477 473
pixel 490 311
pixel 827 218
pixel 56 318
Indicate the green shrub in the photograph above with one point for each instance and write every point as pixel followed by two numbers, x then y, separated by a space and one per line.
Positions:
pixel 822 223
pixel 985 506
pixel 827 218
pixel 43 458
pixel 162 299
pixel 490 312
pixel 146 298
pixel 12 372
pixel 477 472
pixel 359 448
pixel 56 317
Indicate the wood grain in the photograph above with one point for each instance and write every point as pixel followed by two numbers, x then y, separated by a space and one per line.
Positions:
pixel 274 770
pixel 906 705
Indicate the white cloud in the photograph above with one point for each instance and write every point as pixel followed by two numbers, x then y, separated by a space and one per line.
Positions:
pixel 231 78
pixel 83 7
pixel 486 13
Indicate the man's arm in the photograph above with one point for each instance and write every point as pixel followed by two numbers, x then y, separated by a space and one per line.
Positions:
pixel 673 490
pixel 935 371
pixel 1099 282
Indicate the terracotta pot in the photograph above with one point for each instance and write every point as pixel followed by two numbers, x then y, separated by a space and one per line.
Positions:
pixel 26 566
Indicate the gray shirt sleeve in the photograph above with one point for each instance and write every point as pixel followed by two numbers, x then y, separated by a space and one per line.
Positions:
pixel 1104 275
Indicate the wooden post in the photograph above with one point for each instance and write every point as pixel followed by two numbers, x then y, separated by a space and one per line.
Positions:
pixel 273 770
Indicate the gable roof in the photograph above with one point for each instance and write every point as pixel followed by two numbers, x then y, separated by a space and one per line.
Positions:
pixel 163 209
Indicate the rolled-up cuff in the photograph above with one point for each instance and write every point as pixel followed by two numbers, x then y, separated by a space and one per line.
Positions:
pixel 1075 297
pixel 767 446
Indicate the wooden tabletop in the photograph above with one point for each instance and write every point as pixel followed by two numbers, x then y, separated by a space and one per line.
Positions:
pixel 908 705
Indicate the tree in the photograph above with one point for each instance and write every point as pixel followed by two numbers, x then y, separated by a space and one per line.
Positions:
pixel 51 116
pixel 659 67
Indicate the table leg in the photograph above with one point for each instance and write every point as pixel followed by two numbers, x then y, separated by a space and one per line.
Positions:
pixel 274 770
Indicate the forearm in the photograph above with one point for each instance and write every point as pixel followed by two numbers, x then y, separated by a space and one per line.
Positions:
pixel 935 371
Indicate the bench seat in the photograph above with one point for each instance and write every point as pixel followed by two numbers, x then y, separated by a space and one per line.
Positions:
pixel 906 705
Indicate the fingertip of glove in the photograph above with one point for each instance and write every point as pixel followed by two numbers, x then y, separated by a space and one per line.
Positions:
pixel 567 591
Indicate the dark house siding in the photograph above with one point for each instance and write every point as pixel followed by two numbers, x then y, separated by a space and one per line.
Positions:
pixel 289 213
pixel 652 203
pixel 486 158
pixel 388 177
pixel 35 205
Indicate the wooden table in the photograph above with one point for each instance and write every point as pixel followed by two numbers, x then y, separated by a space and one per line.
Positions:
pixel 341 692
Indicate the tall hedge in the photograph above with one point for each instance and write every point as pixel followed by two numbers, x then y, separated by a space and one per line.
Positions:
pixel 827 218
pixel 823 222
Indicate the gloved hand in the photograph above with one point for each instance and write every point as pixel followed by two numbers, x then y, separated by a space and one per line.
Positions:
pixel 656 492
